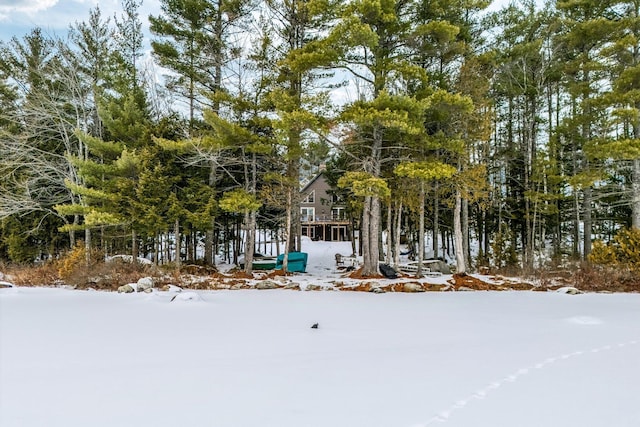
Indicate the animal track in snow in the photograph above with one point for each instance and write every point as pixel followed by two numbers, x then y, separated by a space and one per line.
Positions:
pixel 444 415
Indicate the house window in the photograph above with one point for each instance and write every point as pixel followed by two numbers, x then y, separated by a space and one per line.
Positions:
pixel 307 214
pixel 337 214
pixel 311 197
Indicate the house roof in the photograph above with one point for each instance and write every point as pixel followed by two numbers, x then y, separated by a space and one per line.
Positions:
pixel 311 181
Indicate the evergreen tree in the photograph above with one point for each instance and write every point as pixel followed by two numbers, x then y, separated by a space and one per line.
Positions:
pixel 93 46
pixel 192 44
pixel 369 41
pixel 297 94
pixel 523 74
pixel 624 98
pixel 586 29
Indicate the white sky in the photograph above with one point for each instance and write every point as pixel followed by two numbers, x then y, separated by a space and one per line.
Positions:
pixel 18 17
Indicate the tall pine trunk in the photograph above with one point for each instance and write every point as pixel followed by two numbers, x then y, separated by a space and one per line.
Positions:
pixel 396 258
pixel 176 233
pixel 465 233
pixel 588 221
pixel 250 233
pixel 87 246
pixel 389 242
pixel 635 218
pixel 421 230
pixel 436 223
pixel 134 247
pixel 287 227
pixel 457 231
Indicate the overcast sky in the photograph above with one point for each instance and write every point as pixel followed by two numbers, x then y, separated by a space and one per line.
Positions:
pixel 18 17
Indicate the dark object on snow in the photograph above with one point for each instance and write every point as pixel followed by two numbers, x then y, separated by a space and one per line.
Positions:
pixel 314 326
pixel 388 271
pixel 350 268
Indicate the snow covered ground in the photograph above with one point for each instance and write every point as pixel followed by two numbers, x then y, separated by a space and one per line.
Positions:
pixel 249 358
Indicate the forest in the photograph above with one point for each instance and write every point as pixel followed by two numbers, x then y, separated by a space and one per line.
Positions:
pixel 511 137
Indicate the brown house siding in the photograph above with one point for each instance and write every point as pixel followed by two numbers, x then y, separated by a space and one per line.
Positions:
pixel 321 218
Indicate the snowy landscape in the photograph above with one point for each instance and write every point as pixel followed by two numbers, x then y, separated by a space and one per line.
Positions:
pixel 250 358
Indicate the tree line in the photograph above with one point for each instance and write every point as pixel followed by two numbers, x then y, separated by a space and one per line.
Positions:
pixel 516 131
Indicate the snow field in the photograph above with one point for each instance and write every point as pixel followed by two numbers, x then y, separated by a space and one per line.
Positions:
pixel 250 358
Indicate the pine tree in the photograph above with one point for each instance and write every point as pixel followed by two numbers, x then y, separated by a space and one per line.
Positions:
pixel 369 41
pixel 297 94
pixel 624 98
pixel 192 43
pixel 524 71
pixel 586 28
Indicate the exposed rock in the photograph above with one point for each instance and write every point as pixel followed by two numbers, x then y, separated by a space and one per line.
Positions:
pixel 360 287
pixel 440 266
pixel 4 284
pixel 171 288
pixel 412 287
pixel 377 290
pixel 268 284
pixel 484 270
pixel 126 289
pixel 569 290
pixel 144 284
pixel 313 288
pixel 437 287
pixel 239 284
pixel 293 286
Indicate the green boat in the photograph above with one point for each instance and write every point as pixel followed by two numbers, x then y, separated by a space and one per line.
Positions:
pixel 264 264
pixel 297 262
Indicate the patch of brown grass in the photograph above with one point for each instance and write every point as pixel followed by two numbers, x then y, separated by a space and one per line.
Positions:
pixel 606 279
pixel 277 273
pixel 42 275
pixel 198 270
pixel 357 274
pixel 240 274
pixel 360 287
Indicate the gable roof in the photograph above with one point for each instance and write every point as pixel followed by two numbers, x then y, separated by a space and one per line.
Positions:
pixel 314 179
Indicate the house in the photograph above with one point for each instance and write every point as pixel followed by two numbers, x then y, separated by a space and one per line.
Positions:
pixel 322 216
